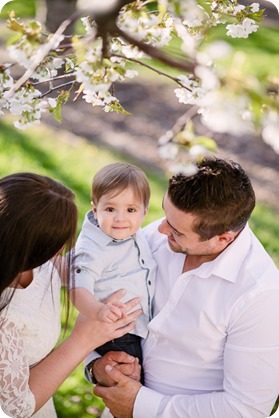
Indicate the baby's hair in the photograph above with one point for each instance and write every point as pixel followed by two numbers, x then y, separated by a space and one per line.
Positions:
pixel 116 177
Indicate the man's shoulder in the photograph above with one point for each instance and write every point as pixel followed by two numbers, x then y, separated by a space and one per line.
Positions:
pixel 154 238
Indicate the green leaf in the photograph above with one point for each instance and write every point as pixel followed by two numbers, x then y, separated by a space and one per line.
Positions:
pixel 207 142
pixel 206 6
pixel 57 112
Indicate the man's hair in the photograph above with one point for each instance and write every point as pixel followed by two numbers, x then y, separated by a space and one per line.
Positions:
pixel 219 194
pixel 114 178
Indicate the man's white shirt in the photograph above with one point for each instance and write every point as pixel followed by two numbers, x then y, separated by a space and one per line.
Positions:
pixel 213 345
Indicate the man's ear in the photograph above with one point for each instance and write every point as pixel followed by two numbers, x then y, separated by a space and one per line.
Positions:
pixel 223 240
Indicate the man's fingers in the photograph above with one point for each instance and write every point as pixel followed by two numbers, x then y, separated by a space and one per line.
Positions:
pixel 120 357
pixel 114 374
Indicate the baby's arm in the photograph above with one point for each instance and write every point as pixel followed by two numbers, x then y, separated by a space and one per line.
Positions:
pixel 87 304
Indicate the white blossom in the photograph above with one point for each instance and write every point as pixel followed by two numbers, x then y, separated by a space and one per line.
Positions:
pixel 168 151
pixel 191 94
pixel 242 30
pixel 189 169
pixel 197 151
pixel 131 73
pixel 52 102
pixel 189 42
pixel 238 8
pixel 89 29
pixel 208 77
pixel 224 113
pixel 255 7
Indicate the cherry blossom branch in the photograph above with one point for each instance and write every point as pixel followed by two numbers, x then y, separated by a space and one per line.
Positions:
pixel 71 83
pixel 175 79
pixel 181 122
pixel 42 53
pixel 50 80
pixel 156 54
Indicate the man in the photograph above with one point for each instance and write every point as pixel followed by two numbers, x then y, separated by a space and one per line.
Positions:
pixel 213 344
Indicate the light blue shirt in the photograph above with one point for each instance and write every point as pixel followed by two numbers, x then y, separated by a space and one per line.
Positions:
pixel 104 265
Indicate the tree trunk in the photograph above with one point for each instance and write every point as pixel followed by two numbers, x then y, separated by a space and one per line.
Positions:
pixel 57 12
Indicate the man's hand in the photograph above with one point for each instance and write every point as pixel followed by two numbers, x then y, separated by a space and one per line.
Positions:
pixel 127 364
pixel 119 398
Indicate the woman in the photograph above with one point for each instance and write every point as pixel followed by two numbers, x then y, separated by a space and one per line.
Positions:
pixel 38 218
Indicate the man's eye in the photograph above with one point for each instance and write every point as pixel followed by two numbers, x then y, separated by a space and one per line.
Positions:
pixel 178 234
pixel 131 210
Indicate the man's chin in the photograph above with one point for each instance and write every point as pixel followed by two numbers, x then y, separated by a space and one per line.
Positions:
pixel 174 247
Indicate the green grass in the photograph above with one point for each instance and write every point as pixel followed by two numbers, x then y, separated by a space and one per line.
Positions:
pixel 71 160
pixel 23 8
pixel 259 52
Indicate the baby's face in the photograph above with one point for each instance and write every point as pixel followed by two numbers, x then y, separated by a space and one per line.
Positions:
pixel 120 215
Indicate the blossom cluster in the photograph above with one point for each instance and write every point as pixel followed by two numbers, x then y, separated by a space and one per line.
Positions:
pixel 91 65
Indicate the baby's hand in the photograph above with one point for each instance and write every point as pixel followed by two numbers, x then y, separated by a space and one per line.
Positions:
pixel 110 313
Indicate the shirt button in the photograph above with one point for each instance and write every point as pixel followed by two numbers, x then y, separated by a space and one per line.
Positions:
pixel 149 282
pixel 142 261
pixel 78 270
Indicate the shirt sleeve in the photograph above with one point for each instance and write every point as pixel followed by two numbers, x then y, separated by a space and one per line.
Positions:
pixel 251 370
pixel 87 268
pixel 16 398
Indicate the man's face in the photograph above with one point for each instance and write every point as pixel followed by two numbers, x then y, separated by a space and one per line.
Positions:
pixel 178 226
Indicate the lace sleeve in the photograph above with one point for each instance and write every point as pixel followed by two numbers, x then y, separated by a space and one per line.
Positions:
pixel 16 399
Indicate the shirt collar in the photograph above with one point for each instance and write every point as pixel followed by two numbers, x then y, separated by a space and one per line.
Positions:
pixel 229 262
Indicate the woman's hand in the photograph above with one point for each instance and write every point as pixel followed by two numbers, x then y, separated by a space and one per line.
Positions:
pixel 91 333
pixel 126 307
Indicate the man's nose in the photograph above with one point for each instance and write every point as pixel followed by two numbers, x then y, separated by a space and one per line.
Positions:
pixel 164 228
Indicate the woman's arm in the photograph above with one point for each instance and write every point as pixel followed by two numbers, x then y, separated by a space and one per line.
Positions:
pixel 23 392
pixel 87 334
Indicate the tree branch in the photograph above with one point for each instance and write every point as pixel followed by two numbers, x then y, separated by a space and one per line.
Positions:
pixel 72 83
pixel 42 53
pixel 175 79
pixel 156 53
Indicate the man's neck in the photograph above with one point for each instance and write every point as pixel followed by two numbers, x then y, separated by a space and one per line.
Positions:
pixel 194 261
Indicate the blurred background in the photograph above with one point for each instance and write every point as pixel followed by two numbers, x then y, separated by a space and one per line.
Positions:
pixel 88 138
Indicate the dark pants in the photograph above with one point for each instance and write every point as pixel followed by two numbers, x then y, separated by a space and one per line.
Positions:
pixel 129 343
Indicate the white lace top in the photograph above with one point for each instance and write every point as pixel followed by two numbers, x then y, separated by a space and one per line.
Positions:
pixel 29 329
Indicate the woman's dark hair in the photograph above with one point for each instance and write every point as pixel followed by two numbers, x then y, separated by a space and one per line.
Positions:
pixel 220 194
pixel 38 217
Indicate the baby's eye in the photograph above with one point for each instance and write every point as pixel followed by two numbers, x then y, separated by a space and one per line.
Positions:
pixel 109 209
pixel 131 210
